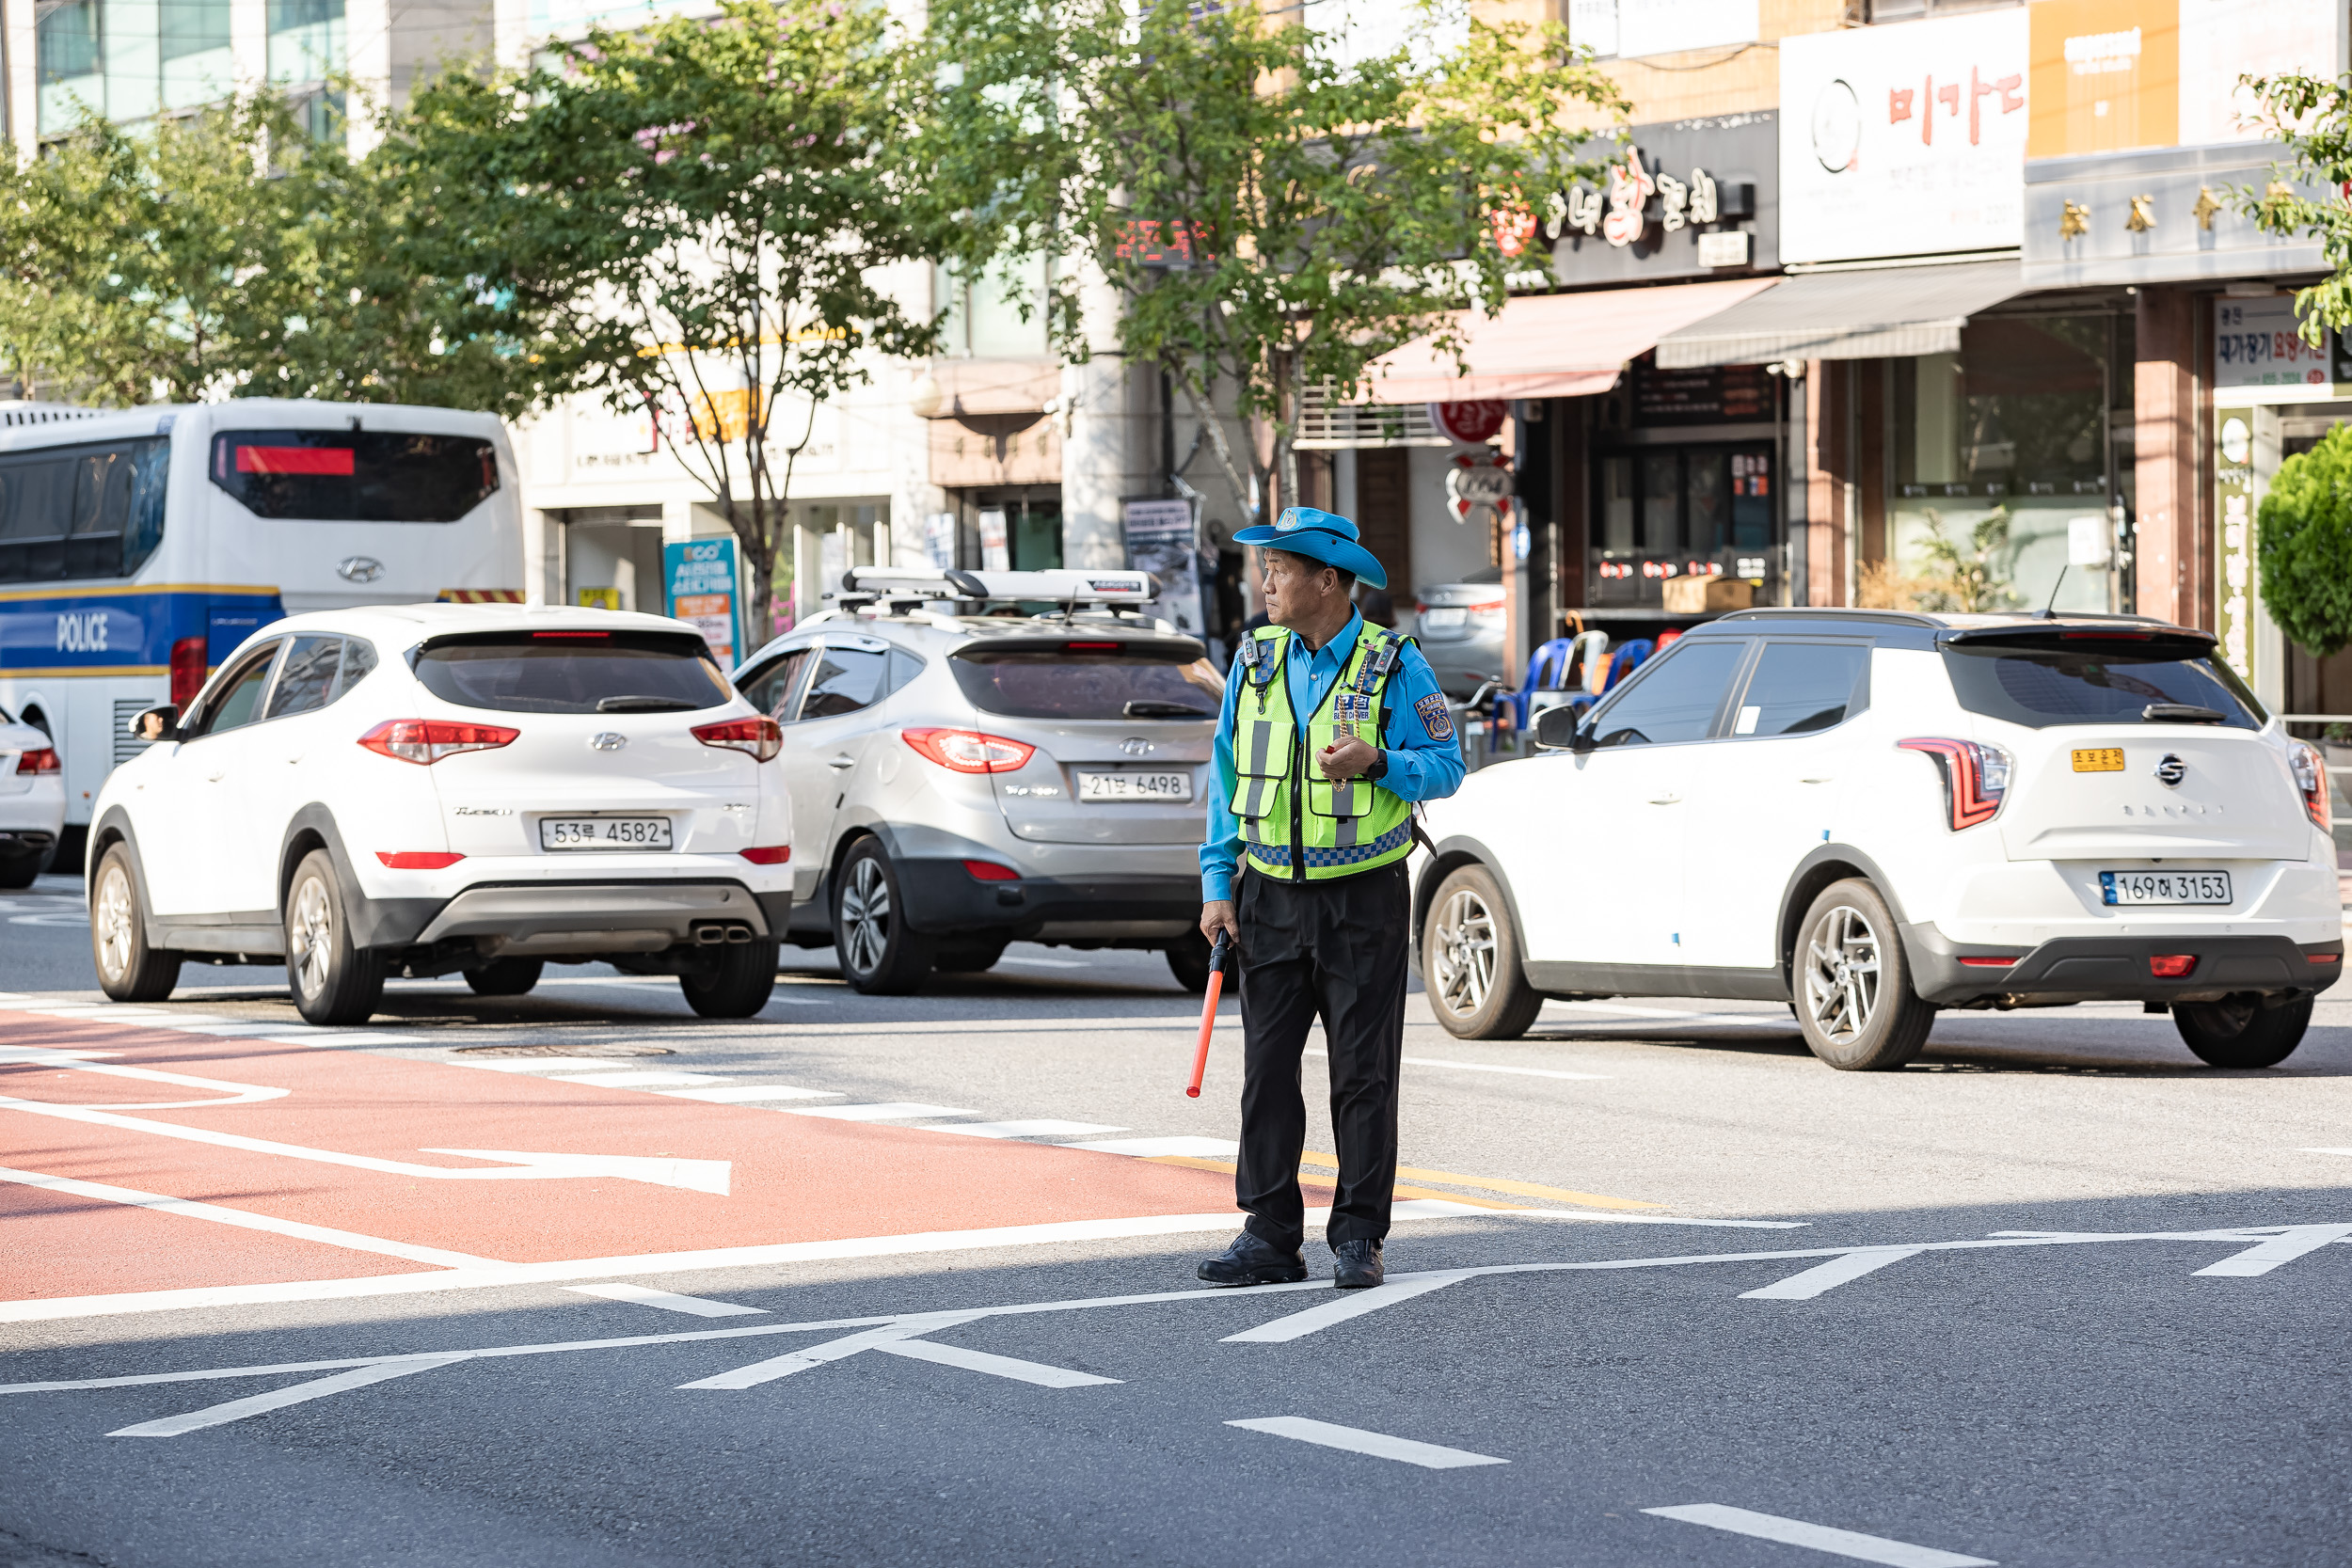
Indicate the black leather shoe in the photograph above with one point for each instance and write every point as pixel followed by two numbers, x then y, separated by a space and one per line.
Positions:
pixel 1357 1265
pixel 1251 1260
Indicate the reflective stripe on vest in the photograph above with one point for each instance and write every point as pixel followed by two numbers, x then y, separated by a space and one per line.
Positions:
pixel 1341 826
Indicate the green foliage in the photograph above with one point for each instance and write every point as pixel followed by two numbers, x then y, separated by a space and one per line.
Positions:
pixel 1336 212
pixel 2313 117
pixel 2303 546
pixel 1965 579
pixel 225 254
pixel 686 217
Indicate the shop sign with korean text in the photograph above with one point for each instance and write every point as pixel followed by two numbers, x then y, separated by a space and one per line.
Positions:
pixel 1686 198
pixel 701 589
pixel 2236 489
pixel 1905 140
pixel 2259 356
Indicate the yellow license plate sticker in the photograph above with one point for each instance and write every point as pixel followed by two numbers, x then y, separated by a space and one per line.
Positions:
pixel 2100 759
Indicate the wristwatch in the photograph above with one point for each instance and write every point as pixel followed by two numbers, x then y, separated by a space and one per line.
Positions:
pixel 1379 768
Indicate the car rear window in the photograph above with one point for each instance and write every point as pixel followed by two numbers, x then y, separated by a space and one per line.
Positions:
pixel 573 672
pixel 2098 679
pixel 354 476
pixel 1076 682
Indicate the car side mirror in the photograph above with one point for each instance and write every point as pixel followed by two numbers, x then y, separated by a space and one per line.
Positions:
pixel 156 724
pixel 1557 730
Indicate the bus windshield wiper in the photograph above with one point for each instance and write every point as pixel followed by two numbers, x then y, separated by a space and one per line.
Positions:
pixel 643 704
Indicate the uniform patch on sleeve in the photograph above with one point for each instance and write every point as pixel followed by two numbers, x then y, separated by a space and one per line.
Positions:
pixel 1436 717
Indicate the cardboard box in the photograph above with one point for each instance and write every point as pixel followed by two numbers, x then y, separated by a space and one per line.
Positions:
pixel 1698 595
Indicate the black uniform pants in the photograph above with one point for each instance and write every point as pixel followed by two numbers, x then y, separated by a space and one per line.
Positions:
pixel 1334 950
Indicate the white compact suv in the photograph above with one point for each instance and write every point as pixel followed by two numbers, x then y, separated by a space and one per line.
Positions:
pixel 32 803
pixel 1872 815
pixel 429 789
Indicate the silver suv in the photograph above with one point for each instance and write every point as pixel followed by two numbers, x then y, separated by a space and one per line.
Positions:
pixel 982 757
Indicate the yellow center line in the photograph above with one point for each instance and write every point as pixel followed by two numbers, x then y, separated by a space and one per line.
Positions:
pixel 1496 1184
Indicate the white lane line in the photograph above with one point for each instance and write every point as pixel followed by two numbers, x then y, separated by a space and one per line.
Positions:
pixel 1041 1128
pixel 994 1366
pixel 1485 1067
pixel 634 1080
pixel 1354 1303
pixel 669 1301
pixel 325 1038
pixel 1827 1276
pixel 190 1208
pixel 1429 1456
pixel 889 1112
pixel 737 1094
pixel 1203 1148
pixel 260 1404
pixel 1822 1538
pixel 536 1064
pixel 811 1356
pixel 2265 1256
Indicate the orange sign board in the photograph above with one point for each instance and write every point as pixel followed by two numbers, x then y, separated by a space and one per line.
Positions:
pixel 2107 76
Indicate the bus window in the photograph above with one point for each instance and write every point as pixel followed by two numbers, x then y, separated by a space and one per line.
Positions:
pixel 81 512
pixel 354 476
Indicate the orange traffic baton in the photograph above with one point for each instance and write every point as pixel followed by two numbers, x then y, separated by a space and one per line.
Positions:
pixel 1208 1015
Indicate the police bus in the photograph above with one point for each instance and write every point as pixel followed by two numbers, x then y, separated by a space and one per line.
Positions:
pixel 140 547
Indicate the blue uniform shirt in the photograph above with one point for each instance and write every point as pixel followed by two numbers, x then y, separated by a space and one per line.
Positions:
pixel 1424 759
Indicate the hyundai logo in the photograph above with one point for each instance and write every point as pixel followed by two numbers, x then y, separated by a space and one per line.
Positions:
pixel 605 740
pixel 359 568
pixel 1135 746
pixel 2171 771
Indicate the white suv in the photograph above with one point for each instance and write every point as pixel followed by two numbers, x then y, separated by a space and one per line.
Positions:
pixel 1873 815
pixel 430 789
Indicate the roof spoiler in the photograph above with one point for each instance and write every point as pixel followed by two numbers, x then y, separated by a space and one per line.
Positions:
pixel 2043 633
pixel 1060 586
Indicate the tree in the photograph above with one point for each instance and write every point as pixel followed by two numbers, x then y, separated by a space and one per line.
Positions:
pixel 1270 216
pixel 228 253
pixel 2313 117
pixel 687 217
pixel 2303 546
pixel 1965 579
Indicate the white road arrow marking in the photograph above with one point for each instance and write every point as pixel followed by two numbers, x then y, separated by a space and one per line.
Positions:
pixel 702 1175
pixel 79 1061
pixel 2265 1256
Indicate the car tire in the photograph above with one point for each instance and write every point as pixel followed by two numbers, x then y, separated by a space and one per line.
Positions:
pixel 1854 999
pixel 128 969
pixel 1188 960
pixel 968 959
pixel 879 953
pixel 2239 1032
pixel 333 982
pixel 506 976
pixel 739 986
pixel 1470 962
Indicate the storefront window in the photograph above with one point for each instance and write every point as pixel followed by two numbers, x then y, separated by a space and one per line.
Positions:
pixel 1680 511
pixel 2001 456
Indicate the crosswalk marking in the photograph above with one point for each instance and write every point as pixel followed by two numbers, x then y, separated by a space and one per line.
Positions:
pixel 669 1301
pixel 994 1366
pixel 2265 1256
pixel 808 1358
pixel 1822 1538
pixel 1429 1456
pixel 1354 1303
pixel 1041 1128
pixel 895 1111
pixel 1827 1276
pixel 736 1093
pixel 279 1398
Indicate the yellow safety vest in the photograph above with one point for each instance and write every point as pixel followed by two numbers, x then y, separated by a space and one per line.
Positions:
pixel 1342 827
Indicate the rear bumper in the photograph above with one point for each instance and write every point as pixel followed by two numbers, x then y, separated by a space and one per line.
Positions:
pixel 2114 969
pixel 544 919
pixel 942 898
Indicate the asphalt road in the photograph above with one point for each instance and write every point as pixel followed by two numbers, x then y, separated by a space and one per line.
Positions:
pixel 1666 1291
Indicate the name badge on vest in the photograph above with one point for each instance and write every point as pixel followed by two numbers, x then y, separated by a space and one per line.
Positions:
pixel 1352 707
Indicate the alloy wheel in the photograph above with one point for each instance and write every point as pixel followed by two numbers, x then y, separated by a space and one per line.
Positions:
pixel 1465 953
pixel 113 921
pixel 311 934
pixel 1842 974
pixel 866 915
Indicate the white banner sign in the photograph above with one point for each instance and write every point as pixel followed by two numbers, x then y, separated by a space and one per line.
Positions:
pixel 1160 541
pixel 1906 139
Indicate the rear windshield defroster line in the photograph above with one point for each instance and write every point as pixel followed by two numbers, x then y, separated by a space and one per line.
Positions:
pixel 2096 680
pixel 617 672
pixel 1057 682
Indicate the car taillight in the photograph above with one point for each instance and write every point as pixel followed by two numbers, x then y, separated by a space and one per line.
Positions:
pixel 418 860
pixel 426 741
pixel 2171 966
pixel 1988 961
pixel 989 871
pixel 771 855
pixel 969 750
pixel 2310 777
pixel 761 738
pixel 187 670
pixel 40 760
pixel 1975 777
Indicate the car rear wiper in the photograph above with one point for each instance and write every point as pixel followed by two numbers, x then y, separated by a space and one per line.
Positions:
pixel 1147 707
pixel 2182 713
pixel 668 704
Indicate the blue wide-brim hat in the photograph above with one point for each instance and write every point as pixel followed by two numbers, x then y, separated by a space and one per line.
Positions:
pixel 1318 535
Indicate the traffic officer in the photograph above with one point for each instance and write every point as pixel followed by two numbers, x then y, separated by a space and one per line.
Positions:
pixel 1331 728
